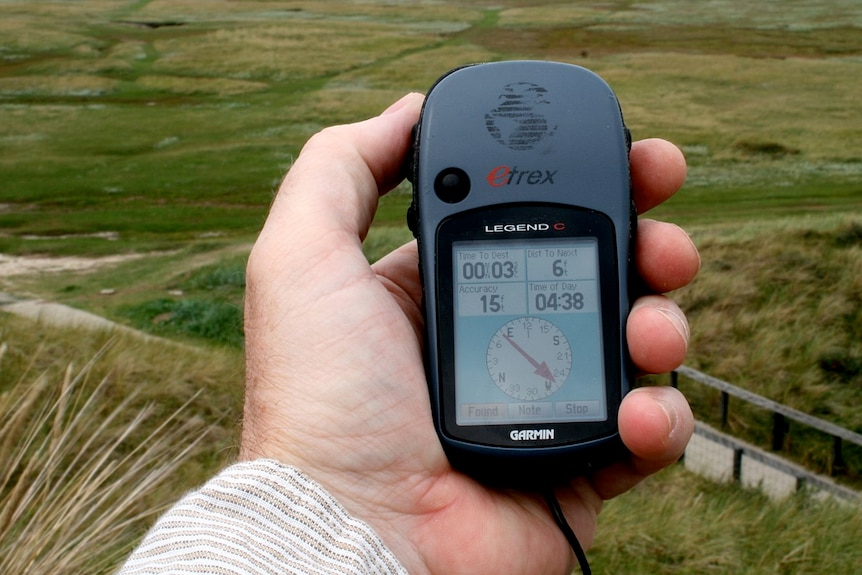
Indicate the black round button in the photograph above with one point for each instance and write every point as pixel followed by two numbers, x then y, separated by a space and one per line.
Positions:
pixel 452 185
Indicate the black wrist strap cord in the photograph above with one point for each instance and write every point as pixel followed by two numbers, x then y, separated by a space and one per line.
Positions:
pixel 560 520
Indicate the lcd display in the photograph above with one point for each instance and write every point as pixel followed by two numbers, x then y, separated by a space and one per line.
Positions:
pixel 528 331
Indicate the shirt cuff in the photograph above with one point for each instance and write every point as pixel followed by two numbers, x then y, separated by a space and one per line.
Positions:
pixel 261 518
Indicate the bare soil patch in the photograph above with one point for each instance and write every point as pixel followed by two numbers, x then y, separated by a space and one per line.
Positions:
pixel 11 266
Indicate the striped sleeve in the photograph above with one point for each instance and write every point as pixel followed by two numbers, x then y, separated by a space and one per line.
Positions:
pixel 260 518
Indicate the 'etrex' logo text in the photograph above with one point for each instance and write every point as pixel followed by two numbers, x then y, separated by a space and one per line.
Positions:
pixel 512 176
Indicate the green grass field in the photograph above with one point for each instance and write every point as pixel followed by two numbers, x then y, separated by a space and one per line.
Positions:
pixel 161 129
pixel 162 121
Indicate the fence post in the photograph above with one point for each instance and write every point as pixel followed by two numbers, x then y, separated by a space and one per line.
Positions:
pixel 837 467
pixel 737 465
pixel 779 430
pixel 725 408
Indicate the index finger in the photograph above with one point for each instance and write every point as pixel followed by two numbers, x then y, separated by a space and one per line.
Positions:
pixel 658 172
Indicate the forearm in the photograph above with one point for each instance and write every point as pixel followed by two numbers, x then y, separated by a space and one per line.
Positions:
pixel 261 517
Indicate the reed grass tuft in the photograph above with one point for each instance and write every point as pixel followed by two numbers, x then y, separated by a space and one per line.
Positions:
pixel 77 484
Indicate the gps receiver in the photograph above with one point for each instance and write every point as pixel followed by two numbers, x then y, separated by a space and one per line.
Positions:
pixel 523 213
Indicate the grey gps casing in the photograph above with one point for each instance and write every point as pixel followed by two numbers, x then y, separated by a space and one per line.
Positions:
pixel 524 154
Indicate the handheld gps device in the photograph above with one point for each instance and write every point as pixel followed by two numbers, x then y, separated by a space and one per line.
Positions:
pixel 523 214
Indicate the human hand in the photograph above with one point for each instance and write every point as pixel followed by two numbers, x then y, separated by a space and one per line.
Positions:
pixel 336 384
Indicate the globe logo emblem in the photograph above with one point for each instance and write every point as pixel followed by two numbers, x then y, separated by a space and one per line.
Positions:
pixel 518 122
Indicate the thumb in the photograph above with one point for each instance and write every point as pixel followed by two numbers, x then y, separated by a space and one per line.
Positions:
pixel 342 170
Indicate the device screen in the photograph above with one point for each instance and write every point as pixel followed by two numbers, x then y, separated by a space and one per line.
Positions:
pixel 528 331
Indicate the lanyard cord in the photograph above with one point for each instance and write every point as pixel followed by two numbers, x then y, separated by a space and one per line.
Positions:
pixel 560 520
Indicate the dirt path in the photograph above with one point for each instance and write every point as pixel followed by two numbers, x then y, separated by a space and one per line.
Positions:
pixel 11 266
pixel 49 312
pixel 55 313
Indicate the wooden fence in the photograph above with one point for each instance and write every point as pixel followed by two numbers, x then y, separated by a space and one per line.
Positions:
pixel 782 418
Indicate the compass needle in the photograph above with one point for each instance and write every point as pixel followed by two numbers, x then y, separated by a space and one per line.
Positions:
pixel 542 369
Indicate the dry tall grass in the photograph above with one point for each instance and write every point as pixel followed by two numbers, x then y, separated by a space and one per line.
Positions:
pixel 75 481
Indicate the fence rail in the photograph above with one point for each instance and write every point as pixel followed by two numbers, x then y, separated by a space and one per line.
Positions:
pixel 781 415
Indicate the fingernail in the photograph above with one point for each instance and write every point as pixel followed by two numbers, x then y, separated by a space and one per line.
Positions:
pixel 677 320
pixel 680 423
pixel 667 308
pixel 693 246
pixel 669 412
pixel 398 105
